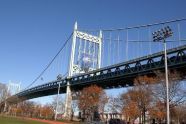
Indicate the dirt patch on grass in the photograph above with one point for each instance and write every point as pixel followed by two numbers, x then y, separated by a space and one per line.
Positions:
pixel 45 121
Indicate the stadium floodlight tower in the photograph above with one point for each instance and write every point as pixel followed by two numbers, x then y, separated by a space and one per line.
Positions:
pixel 85 56
pixel 159 36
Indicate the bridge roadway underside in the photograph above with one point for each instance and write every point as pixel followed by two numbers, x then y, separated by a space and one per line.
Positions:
pixel 116 76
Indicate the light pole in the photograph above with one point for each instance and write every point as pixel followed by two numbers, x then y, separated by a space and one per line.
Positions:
pixel 59 77
pixel 159 36
pixel 57 101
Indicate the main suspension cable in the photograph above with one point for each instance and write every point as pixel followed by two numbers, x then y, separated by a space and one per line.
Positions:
pixel 134 27
pixel 49 64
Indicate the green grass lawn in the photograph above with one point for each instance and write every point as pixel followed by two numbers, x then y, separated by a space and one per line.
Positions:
pixel 11 120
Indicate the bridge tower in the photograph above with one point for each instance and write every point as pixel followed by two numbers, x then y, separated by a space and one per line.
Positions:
pixel 85 56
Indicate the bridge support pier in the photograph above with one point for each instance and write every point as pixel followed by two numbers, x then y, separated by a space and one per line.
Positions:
pixel 68 103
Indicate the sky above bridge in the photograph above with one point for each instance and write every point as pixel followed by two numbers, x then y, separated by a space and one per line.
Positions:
pixel 32 31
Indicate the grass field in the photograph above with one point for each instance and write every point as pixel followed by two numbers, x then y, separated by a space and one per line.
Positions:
pixel 10 120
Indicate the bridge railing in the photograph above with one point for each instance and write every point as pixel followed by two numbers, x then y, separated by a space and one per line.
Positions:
pixel 133 61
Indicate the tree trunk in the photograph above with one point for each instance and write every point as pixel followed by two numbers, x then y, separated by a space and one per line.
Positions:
pixel 144 115
pixel 140 119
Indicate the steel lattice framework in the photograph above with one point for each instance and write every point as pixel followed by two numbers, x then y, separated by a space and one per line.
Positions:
pixel 115 76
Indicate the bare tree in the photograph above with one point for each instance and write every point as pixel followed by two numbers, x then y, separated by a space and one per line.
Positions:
pixel 47 111
pixel 177 93
pixel 4 94
pixel 179 114
pixel 102 102
pixel 114 104
pixel 61 105
pixel 37 110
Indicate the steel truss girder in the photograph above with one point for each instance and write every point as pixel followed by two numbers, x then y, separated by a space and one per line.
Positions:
pixel 119 72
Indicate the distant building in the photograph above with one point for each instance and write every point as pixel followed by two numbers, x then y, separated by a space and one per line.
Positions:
pixel 108 116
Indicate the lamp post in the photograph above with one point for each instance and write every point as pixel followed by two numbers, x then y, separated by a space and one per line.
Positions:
pixel 56 112
pixel 59 77
pixel 159 36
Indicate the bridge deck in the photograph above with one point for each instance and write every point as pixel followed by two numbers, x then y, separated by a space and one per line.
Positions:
pixel 115 76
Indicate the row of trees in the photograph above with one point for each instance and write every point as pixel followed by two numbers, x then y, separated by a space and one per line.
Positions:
pixel 28 108
pixel 32 109
pixel 145 101
pixel 36 110
pixel 150 98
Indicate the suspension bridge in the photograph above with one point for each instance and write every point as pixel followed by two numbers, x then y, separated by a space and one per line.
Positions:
pixel 109 58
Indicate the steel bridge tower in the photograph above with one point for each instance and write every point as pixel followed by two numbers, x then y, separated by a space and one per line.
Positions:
pixel 85 56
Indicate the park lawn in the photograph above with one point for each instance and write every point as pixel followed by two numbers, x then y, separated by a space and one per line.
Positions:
pixel 11 120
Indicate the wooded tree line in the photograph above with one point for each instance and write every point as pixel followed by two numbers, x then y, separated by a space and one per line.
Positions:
pixel 149 98
pixel 146 100
pixel 35 110
pixel 32 109
pixel 29 108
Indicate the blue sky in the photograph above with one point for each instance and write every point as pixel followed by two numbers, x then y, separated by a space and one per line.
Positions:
pixel 32 31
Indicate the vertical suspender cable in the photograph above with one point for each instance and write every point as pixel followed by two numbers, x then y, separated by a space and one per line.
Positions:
pixel 141 48
pixel 89 47
pixel 109 48
pixel 150 50
pixel 138 52
pixel 95 57
pixel 58 65
pixel 85 46
pixel 103 49
pixel 179 34
pixel 127 47
pixel 65 58
pixel 79 51
pixel 118 48
pixel 60 62
pixel 113 56
pixel 49 64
